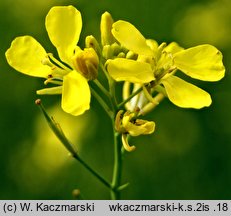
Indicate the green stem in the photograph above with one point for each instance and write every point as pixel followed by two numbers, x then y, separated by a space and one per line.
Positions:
pixel 117 171
pixel 102 88
pixel 112 93
pixel 111 84
pixel 98 176
pixel 57 130
pixel 102 103
pixel 104 71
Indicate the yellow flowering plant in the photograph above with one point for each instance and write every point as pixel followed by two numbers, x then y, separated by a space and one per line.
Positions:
pixel 148 70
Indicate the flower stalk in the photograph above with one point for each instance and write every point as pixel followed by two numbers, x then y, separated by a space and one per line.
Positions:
pixel 55 127
pixel 117 170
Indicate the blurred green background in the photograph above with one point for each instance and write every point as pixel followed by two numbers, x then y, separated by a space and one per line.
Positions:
pixel 188 157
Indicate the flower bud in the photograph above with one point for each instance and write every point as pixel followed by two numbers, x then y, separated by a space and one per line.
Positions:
pixel 105 28
pixel 86 62
pixel 121 55
pixel 107 52
pixel 116 48
pixel 131 55
pixel 91 42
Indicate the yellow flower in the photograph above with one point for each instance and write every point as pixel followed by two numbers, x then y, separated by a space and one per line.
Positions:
pixel 127 124
pixel 158 64
pixel 26 55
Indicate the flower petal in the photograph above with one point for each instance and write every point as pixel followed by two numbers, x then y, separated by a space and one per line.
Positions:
pixel 153 45
pixel 50 91
pixel 184 94
pixel 130 37
pixel 203 62
pixel 149 126
pixel 129 70
pixel 64 24
pixel 173 48
pixel 26 55
pixel 76 94
pixel 140 127
pixel 126 145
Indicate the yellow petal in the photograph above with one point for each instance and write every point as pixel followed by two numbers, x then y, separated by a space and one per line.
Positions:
pixel 130 37
pixel 184 94
pixel 26 56
pixel 173 48
pixel 202 62
pixel 153 45
pixel 121 69
pixel 64 24
pixel 149 126
pixel 50 91
pixel 126 146
pixel 76 94
pixel 139 127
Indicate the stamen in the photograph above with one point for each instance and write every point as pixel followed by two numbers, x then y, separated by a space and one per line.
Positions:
pixel 149 96
pixel 172 70
pixel 51 80
pixel 150 106
pixel 46 61
pixel 58 72
pixel 61 65
pixel 160 49
pixel 162 46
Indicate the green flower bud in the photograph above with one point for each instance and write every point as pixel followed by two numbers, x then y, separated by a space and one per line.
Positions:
pixel 121 55
pixel 116 48
pixel 107 52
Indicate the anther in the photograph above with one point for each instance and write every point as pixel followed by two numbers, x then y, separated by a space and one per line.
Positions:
pixel 46 61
